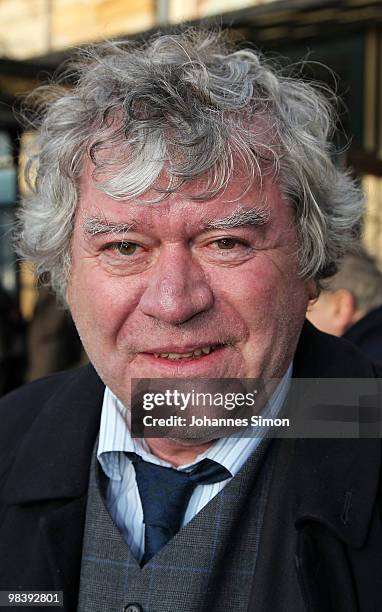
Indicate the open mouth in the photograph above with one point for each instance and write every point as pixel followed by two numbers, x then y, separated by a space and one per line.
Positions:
pixel 195 354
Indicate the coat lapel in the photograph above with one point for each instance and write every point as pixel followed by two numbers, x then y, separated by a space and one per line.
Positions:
pixel 61 535
pixel 51 471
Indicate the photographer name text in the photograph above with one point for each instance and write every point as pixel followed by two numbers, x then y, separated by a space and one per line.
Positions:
pixel 205 421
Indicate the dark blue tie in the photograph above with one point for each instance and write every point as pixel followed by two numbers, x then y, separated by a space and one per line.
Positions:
pixel 165 494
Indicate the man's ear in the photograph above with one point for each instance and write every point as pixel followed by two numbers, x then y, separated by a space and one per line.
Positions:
pixel 344 309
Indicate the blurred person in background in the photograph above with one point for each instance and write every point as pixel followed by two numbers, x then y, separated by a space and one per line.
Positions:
pixel 350 303
pixel 186 207
pixel 53 343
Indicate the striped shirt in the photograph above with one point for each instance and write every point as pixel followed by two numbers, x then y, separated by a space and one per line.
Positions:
pixel 122 497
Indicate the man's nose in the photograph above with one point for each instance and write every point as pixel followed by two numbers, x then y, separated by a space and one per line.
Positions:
pixel 178 289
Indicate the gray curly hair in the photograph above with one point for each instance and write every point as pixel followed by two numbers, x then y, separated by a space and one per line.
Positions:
pixel 191 105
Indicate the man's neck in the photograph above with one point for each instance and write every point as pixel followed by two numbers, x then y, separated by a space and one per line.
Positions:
pixel 177 452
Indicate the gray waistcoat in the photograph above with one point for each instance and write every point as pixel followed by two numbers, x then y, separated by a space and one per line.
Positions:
pixel 207 567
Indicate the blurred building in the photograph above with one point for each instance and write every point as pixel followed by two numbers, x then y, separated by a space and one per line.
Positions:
pixel 346 35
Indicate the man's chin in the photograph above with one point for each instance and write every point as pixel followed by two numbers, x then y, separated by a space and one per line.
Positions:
pixel 192 436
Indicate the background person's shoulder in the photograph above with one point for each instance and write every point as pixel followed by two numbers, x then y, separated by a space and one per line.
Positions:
pixel 321 355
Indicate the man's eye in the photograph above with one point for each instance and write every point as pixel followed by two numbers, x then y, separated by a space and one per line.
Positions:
pixel 125 248
pixel 227 243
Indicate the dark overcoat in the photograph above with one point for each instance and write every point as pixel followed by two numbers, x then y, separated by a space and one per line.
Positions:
pixel 47 432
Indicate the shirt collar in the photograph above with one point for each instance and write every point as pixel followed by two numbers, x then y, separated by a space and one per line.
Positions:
pixel 115 438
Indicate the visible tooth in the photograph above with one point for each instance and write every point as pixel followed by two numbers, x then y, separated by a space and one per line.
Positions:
pixel 205 351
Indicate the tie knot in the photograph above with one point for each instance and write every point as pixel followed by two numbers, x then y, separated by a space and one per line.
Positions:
pixel 165 493
pixel 206 471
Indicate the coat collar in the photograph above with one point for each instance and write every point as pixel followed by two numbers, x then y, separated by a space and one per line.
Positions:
pixel 54 457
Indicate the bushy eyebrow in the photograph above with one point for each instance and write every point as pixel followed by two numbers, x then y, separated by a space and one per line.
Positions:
pixel 240 217
pixel 98 226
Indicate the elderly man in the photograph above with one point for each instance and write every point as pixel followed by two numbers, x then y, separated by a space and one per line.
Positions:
pixel 185 208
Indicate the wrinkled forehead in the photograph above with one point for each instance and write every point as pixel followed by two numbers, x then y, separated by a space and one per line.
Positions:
pixel 260 206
